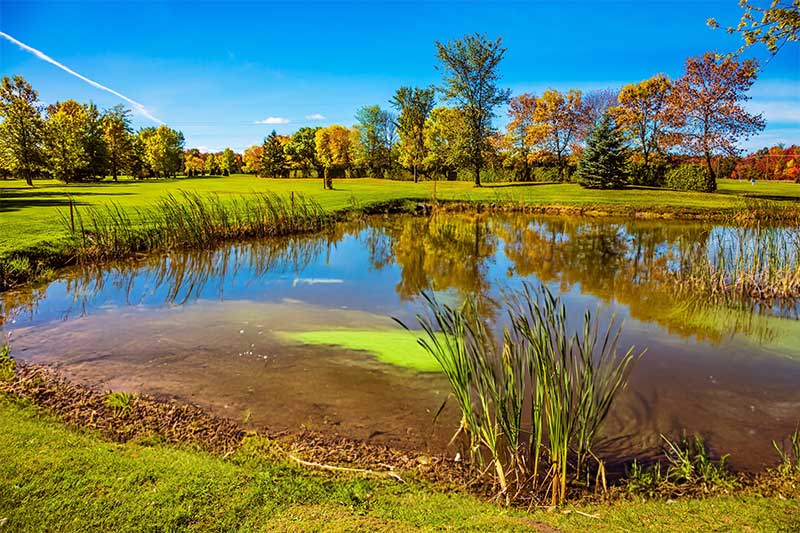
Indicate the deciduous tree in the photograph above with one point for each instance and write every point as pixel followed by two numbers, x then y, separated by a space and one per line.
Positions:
pixel 470 67
pixel 446 141
pixel 64 140
pixel 521 114
pixel 164 151
pixel 22 128
pixel 228 162
pixel 118 134
pixel 645 116
pixel 414 105
pixel 559 123
pixel 335 151
pixel 376 137
pixel 708 98
pixel 251 159
pixel 302 147
pixel 773 25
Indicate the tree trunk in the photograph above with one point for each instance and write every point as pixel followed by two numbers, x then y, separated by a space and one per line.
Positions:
pixel 710 166
pixel 478 175
pixel 28 178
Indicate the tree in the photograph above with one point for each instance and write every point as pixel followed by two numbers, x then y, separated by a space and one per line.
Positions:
pixel 94 143
pixel 376 135
pixel 596 103
pixel 164 151
pixel 335 151
pixel 212 165
pixel 273 158
pixel 603 163
pixel 302 147
pixel 771 26
pixel 251 159
pixel 228 162
pixel 118 133
pixel 644 115
pixel 64 140
pixel 22 128
pixel 414 105
pixel 707 98
pixel 446 141
pixel 193 162
pixel 559 123
pixel 521 114
pixel 470 69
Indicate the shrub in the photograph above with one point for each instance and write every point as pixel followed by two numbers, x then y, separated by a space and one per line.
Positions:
pixel 690 178
pixel 651 175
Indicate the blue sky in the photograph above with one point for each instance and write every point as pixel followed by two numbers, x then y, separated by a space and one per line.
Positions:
pixel 214 69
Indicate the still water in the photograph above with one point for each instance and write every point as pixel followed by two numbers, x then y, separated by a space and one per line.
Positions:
pixel 215 328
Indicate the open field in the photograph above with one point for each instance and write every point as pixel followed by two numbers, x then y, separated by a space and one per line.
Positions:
pixel 30 216
pixel 53 477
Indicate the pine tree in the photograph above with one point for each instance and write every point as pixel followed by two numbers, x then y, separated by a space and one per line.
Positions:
pixel 603 163
pixel 273 158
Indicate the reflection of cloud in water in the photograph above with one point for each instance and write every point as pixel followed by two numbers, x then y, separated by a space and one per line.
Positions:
pixel 316 281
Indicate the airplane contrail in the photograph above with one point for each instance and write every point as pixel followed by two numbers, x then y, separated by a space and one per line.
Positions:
pixel 41 55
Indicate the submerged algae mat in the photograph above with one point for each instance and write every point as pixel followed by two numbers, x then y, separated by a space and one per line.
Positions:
pixel 393 347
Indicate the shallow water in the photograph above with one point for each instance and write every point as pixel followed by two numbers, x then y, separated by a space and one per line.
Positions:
pixel 209 327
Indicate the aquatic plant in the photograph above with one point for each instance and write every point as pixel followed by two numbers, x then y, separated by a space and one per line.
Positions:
pixel 790 458
pixel 189 220
pixel 567 380
pixel 7 364
pixel 120 402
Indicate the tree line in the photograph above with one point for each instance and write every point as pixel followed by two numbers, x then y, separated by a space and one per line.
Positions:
pixel 447 132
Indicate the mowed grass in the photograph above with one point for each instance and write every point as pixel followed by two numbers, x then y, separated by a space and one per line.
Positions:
pixel 55 478
pixel 30 216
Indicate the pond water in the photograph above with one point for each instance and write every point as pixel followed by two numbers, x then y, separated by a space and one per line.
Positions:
pixel 270 333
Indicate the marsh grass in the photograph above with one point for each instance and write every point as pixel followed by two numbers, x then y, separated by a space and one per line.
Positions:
pixel 789 455
pixel 120 402
pixel 7 364
pixel 188 220
pixel 531 405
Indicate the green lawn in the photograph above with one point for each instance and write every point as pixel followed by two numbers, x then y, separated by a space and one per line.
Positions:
pixel 29 216
pixel 54 478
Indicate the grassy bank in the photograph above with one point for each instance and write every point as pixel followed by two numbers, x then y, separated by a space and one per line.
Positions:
pixel 53 477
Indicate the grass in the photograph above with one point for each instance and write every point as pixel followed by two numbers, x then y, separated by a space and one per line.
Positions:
pixel 29 216
pixel 57 478
pixel 394 347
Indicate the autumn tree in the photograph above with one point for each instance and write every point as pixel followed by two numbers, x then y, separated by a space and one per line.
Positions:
pixel 376 137
pixel 251 159
pixel 193 162
pixel 446 142
pixel 212 165
pixel 470 68
pixel 558 123
pixel 302 147
pixel 521 114
pixel 602 165
pixel 164 151
pixel 335 151
pixel 596 104
pixel 773 25
pixel 644 115
pixel 273 158
pixel 64 140
pixel 22 128
pixel 118 133
pixel 414 105
pixel 708 98
pixel 228 162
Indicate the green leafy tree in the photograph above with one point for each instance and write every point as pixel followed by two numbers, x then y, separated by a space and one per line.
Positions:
pixel 603 163
pixel 22 128
pixel 118 136
pixel 65 140
pixel 376 136
pixel 273 158
pixel 164 151
pixel 228 162
pixel 302 147
pixel 139 166
pixel 414 105
pixel 446 142
pixel 94 143
pixel 471 77
pixel 212 165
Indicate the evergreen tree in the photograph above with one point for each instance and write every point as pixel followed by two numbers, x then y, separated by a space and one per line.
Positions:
pixel 273 158
pixel 603 163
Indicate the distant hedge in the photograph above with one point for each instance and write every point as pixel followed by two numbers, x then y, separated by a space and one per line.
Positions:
pixel 690 178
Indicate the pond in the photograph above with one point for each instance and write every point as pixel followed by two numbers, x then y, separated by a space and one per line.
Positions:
pixel 299 332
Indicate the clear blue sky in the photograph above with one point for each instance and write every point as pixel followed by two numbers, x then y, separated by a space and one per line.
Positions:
pixel 214 69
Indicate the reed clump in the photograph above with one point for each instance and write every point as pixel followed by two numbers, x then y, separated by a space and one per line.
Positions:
pixel 533 404
pixel 189 220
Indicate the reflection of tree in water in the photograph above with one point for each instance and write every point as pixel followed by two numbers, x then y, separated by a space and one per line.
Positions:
pixel 631 263
pixel 443 252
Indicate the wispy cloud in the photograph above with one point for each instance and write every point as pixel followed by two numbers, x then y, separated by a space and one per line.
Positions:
pixel 44 57
pixel 315 116
pixel 273 120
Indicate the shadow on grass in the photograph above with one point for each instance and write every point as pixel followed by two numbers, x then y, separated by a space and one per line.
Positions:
pixel 19 199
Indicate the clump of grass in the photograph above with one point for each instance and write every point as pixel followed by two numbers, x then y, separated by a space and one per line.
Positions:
pixel 533 404
pixel 689 470
pixel 8 366
pixel 120 402
pixel 789 455
pixel 189 220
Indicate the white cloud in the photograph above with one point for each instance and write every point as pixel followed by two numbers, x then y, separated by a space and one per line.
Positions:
pixel 203 149
pixel 44 57
pixel 315 116
pixel 776 111
pixel 273 120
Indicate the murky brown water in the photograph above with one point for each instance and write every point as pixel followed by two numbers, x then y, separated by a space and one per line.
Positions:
pixel 202 327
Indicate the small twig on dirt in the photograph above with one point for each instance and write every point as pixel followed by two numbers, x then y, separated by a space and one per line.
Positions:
pixel 568 511
pixel 333 468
